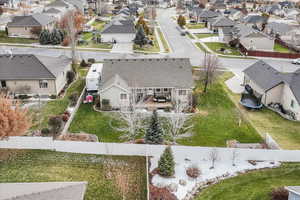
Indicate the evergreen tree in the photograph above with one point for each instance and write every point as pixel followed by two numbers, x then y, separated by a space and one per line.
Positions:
pixel 181 21
pixel 166 163
pixel 140 37
pixel 154 134
pixel 45 37
pixel 55 37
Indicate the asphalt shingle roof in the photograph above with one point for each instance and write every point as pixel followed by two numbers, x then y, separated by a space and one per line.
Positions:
pixel 167 72
pixel 120 25
pixel 37 19
pixel 28 67
pixel 208 14
pixel 223 21
pixel 52 10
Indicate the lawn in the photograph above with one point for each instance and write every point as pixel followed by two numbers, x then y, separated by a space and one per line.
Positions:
pixel 99 25
pixel 254 185
pixel 89 121
pixel 281 49
pixel 163 40
pixel 58 106
pixel 5 39
pixel 87 36
pixel 195 26
pixel 216 46
pixel 190 36
pixel 148 48
pixel 101 172
pixel 91 44
pixel 205 35
pixel 219 119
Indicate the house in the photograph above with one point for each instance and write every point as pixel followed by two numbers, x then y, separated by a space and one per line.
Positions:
pixel 207 14
pixel 233 14
pixel 146 80
pixel 218 4
pixel 294 192
pixel 4 3
pixel 22 26
pixel 59 5
pixel 255 21
pixel 43 190
pixel 291 13
pixel 279 29
pixel 120 29
pixel 225 34
pixel 271 86
pixel 219 22
pixel 252 39
pixel 54 13
pixel 32 74
pixel 194 13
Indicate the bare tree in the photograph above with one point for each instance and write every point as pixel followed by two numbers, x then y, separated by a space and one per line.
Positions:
pixel 210 64
pixel 235 154
pixel 213 157
pixel 134 120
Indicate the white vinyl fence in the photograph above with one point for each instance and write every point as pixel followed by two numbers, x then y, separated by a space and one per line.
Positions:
pixel 180 152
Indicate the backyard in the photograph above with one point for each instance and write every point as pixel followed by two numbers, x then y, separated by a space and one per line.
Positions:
pixel 279 48
pixel 218 120
pixel 5 39
pixel 216 46
pixel 106 175
pixel 253 185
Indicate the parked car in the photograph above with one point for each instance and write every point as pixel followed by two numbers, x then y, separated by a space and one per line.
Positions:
pixel 296 61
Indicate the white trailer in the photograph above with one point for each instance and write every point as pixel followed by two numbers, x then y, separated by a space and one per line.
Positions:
pixel 93 77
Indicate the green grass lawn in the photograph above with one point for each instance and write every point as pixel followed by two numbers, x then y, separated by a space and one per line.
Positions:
pixel 99 25
pixel 148 48
pixel 50 166
pixel 5 39
pixel 195 26
pixel 87 36
pixel 199 45
pixel 190 36
pixel 89 121
pixel 218 120
pixel 215 46
pixel 255 185
pixel 281 49
pixel 163 40
pixel 205 35
pixel 91 44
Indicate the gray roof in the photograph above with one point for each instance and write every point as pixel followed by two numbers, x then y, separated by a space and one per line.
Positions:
pixel 294 189
pixel 166 72
pixel 223 21
pixel 241 31
pixel 119 26
pixel 208 14
pixel 52 11
pixel 37 19
pixel 266 77
pixel 254 19
pixel 58 3
pixel 43 191
pixel 279 28
pixel 31 67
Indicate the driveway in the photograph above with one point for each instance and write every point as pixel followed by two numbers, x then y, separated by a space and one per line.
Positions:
pixel 200 30
pixel 210 39
pixel 122 48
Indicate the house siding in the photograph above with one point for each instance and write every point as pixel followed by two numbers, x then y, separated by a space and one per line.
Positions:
pixel 61 79
pixel 274 95
pixel 25 31
pixel 120 38
pixel 263 43
pixel 113 95
pixel 286 100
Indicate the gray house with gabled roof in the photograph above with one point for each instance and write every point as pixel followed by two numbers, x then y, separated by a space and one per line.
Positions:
pixel 273 86
pixel 21 26
pixel 205 15
pixel 219 22
pixel 32 74
pixel 146 80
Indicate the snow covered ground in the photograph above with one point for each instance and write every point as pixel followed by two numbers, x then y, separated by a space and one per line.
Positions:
pixel 222 170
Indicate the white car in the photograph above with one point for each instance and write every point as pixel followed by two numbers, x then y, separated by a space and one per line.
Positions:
pixel 296 61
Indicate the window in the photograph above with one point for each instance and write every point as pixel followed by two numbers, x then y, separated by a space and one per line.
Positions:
pixel 123 96
pixel 166 89
pixel 182 92
pixel 3 84
pixel 292 103
pixel 43 84
pixel 157 89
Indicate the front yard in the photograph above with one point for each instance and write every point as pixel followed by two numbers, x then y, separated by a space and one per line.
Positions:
pixel 195 26
pixel 148 48
pixel 5 39
pixel 106 175
pixel 205 35
pixel 219 120
pixel 253 185
pixel 217 46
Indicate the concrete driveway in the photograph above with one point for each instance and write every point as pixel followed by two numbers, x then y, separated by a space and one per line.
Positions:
pixel 200 30
pixel 122 48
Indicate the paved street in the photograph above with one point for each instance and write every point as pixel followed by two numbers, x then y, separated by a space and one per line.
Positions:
pixel 181 47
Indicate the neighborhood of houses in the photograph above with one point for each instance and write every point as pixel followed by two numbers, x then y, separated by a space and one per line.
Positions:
pixel 156 100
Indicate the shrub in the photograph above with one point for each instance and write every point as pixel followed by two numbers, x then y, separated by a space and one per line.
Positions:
pixel 65 117
pixel 83 63
pixel 65 42
pixel 23 96
pixel 45 131
pixel 73 98
pixel 91 60
pixel 97 102
pixel 154 133
pixel 193 172
pixel 166 164
pixel 106 105
pixel 67 113
pixel 139 141
pixel 279 194
pixel 157 193
pixel 55 123
pixel 53 96
pixel 70 77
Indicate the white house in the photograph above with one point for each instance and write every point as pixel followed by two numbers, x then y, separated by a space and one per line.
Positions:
pixel 148 82
pixel 274 87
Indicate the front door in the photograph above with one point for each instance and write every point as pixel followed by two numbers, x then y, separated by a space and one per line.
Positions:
pixel 3 84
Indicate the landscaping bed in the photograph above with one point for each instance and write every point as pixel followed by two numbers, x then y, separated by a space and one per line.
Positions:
pixel 148 48
pixel 253 185
pixel 108 177
pixel 218 120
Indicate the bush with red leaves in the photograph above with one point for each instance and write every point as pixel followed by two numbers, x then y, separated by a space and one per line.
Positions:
pixel 161 194
pixel 65 117
pixel 193 172
pixel 279 194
